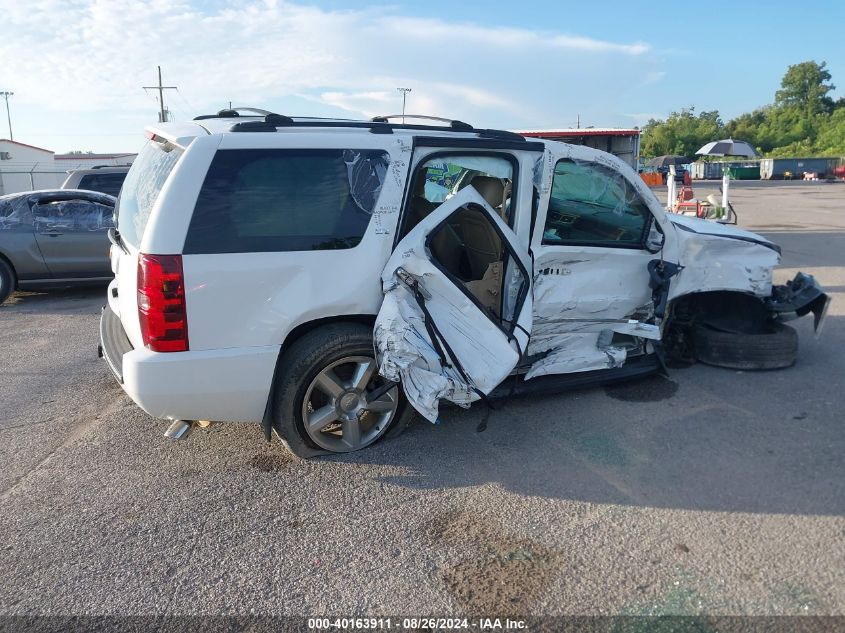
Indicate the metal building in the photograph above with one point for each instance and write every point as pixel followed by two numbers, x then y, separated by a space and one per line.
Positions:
pixel 621 142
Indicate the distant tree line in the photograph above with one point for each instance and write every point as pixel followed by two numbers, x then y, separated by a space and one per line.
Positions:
pixel 803 121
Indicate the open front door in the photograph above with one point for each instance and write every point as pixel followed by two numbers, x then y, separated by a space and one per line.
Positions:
pixel 456 316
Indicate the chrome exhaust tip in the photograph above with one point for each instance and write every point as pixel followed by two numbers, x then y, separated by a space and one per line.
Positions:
pixel 179 429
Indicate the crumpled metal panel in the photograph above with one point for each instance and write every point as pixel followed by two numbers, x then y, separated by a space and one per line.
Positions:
pixel 576 353
pixel 403 344
pixel 405 354
pixel 718 257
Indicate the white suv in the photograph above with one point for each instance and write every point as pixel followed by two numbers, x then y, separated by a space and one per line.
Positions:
pixel 325 277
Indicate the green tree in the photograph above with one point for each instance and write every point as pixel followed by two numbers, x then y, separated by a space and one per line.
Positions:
pixel 747 127
pixel 681 133
pixel 804 86
pixel 831 137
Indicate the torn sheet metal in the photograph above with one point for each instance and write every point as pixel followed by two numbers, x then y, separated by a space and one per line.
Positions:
pixel 576 353
pixel 406 354
pixel 458 352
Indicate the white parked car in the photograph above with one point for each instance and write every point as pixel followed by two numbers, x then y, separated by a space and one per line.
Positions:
pixel 327 277
pixel 103 178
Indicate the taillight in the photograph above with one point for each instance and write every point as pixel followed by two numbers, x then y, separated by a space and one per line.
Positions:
pixel 161 303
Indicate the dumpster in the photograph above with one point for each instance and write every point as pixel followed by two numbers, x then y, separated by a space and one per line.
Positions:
pixel 748 172
pixel 778 168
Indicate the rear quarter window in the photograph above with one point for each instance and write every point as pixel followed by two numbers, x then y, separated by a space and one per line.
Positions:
pixel 141 187
pixel 272 200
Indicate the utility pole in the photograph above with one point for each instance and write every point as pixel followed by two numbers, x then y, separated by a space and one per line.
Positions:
pixel 162 117
pixel 404 92
pixel 578 122
pixel 6 96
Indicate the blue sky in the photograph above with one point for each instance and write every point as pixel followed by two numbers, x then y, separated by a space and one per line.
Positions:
pixel 77 67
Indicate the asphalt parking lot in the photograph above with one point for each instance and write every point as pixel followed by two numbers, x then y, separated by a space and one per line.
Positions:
pixel 715 491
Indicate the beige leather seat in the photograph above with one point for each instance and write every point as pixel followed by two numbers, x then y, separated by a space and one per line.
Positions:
pixel 491 189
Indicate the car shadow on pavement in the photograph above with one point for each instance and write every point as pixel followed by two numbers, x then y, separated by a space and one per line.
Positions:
pixel 77 299
pixel 704 439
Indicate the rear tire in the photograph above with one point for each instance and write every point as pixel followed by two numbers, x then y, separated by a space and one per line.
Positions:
pixel 323 362
pixel 775 348
pixel 7 280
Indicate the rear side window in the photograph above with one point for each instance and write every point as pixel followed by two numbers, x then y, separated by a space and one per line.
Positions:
pixel 77 216
pixel 140 190
pixel 104 183
pixel 271 200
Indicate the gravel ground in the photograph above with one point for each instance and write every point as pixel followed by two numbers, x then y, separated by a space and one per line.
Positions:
pixel 712 492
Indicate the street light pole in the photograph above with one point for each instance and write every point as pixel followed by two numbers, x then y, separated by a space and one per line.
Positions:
pixel 6 95
pixel 404 92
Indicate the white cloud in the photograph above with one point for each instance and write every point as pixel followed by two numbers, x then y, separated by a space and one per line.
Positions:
pixel 93 55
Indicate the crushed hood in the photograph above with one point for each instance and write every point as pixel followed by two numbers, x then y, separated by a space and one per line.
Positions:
pixel 709 228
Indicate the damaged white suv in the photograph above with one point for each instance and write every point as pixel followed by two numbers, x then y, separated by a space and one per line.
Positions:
pixel 326 277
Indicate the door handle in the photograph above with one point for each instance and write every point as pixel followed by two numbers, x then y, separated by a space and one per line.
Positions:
pixel 51 233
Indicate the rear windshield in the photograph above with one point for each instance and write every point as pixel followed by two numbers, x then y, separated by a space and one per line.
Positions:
pixel 271 200
pixel 143 183
pixel 104 183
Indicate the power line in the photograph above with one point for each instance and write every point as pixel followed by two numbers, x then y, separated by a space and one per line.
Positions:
pixel 404 92
pixel 6 95
pixel 162 117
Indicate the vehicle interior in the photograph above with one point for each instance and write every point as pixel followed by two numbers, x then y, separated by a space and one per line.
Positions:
pixel 468 246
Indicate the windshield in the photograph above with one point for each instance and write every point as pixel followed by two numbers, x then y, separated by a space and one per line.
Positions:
pixel 140 190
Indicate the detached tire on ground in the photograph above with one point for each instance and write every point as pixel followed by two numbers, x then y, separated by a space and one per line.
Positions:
pixel 329 397
pixel 7 280
pixel 775 348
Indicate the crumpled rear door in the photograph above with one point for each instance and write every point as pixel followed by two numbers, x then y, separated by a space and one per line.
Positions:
pixel 444 331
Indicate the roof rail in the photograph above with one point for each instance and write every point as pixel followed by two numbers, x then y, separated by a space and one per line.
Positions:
pixel 269 124
pixel 228 113
pixel 379 125
pixel 453 123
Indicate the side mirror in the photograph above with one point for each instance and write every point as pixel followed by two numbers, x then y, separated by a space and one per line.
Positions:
pixel 655 239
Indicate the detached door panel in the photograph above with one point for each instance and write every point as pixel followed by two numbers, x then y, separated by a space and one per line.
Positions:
pixel 456 316
pixel 71 235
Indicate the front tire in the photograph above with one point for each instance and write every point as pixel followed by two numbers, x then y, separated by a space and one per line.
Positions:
pixel 321 403
pixel 7 280
pixel 774 348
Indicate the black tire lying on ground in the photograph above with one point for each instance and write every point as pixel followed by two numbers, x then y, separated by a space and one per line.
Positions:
pixel 774 348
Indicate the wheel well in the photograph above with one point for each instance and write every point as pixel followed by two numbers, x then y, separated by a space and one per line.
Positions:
pixel 12 267
pixel 732 309
pixel 304 328
pixel 299 331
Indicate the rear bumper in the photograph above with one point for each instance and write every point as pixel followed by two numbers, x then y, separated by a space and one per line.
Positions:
pixel 221 385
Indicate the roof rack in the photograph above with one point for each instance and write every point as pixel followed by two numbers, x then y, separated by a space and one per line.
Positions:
pixel 228 113
pixel 453 123
pixel 270 121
